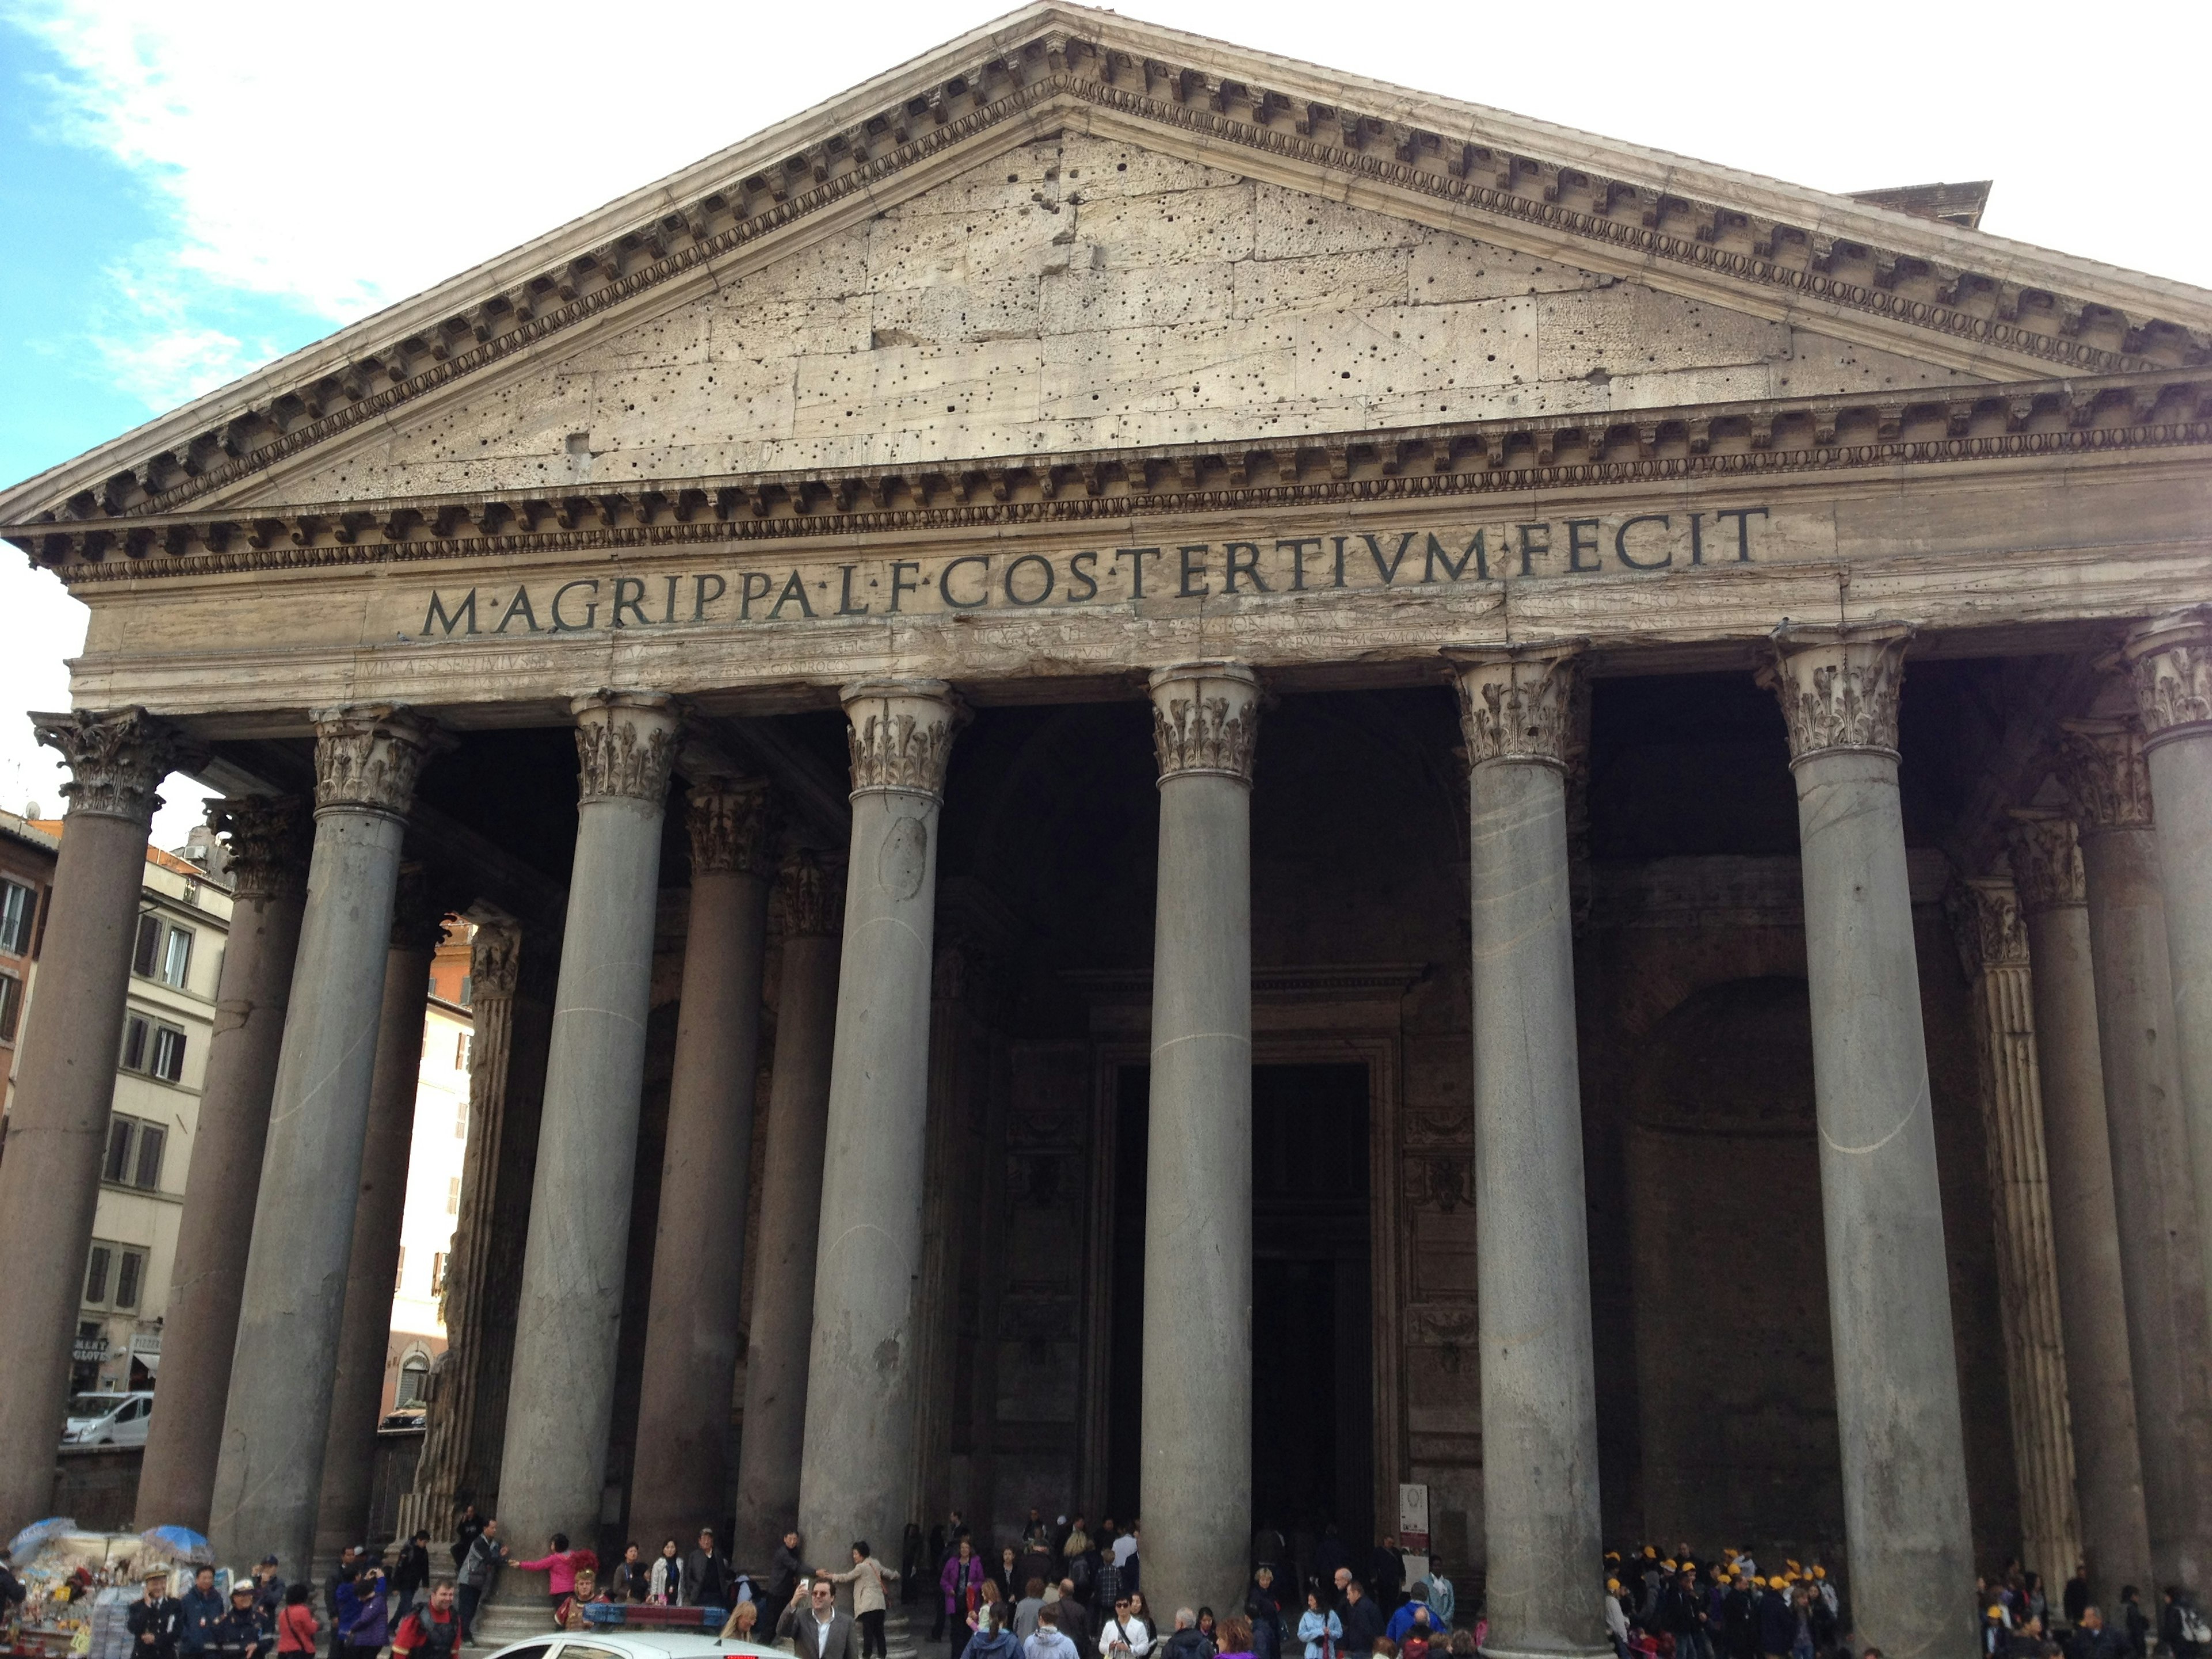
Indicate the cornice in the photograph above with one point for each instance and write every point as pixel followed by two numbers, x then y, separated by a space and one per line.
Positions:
pixel 2007 302
pixel 1722 442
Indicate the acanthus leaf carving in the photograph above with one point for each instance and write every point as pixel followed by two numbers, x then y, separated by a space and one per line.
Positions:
pixel 2101 764
pixel 731 824
pixel 494 959
pixel 368 756
pixel 813 898
pixel 2170 661
pixel 2045 854
pixel 116 761
pixel 900 734
pixel 1985 923
pixel 625 746
pixel 1205 720
pixel 1520 703
pixel 266 841
pixel 1839 685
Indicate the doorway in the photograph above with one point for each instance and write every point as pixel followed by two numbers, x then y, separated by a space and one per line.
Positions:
pixel 1312 1313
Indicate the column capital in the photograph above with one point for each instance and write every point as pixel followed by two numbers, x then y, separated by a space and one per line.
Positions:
pixel 116 761
pixel 1206 718
pixel 494 959
pixel 418 911
pixel 2047 860
pixel 731 824
pixel 1839 685
pixel 2101 764
pixel 626 743
pixel 368 755
pixel 1521 703
pixel 2169 659
pixel 1985 923
pixel 266 843
pixel 813 896
pixel 900 734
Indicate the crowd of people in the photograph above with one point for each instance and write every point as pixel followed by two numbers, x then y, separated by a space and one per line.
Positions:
pixel 263 1617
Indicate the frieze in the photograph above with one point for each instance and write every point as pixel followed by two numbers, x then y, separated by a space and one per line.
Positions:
pixel 2101 764
pixel 1634 222
pixel 625 746
pixel 1839 685
pixel 2171 662
pixel 266 841
pixel 2045 852
pixel 116 761
pixel 367 758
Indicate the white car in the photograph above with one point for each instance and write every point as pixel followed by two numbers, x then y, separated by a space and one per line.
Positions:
pixel 108 1419
pixel 616 1643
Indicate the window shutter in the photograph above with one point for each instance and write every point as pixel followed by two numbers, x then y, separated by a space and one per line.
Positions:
pixel 152 1141
pixel 118 1166
pixel 148 950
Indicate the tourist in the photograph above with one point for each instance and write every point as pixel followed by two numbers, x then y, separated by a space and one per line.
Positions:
pixel 1386 1576
pixel 1128 1634
pixel 362 1624
pixel 1616 1619
pixel 467 1529
pixel 708 1581
pixel 740 1625
pixel 867 1576
pixel 341 1579
pixel 811 1622
pixel 268 1594
pixel 993 1637
pixel 1362 1619
pixel 237 1634
pixel 1263 1612
pixel 1049 1641
pixel 154 1618
pixel 1416 1607
pixel 1027 1609
pixel 2134 1622
pixel 1442 1599
pixel 559 1564
pixel 631 1580
pixel 2095 1639
pixel 785 1571
pixel 296 1625
pixel 665 1582
pixel 411 1571
pixel 197 1611
pixel 479 1570
pixel 1235 1639
pixel 432 1631
pixel 960 1588
pixel 1188 1641
pixel 1319 1628
pixel 1778 1624
pixel 569 1615
pixel 1005 1576
pixel 1074 1617
pixel 2181 1627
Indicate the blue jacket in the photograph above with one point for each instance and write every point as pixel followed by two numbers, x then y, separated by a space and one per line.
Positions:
pixel 1314 1626
pixel 201 1613
pixel 1402 1620
pixel 362 1619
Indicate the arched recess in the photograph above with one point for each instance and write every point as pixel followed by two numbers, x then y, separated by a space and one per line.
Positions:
pixel 1735 1368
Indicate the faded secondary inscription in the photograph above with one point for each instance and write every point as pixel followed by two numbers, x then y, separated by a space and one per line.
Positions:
pixel 1190 571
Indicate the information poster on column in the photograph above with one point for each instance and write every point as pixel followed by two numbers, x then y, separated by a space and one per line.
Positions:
pixel 1413 1528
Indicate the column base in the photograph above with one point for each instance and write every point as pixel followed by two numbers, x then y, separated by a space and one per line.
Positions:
pixel 1539 1651
pixel 502 1620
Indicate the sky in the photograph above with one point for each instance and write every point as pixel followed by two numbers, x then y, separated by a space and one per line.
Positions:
pixel 185 193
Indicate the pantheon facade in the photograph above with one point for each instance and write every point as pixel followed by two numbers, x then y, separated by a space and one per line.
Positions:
pixel 1189 787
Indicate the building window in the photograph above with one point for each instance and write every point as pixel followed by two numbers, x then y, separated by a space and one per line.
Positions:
pixel 134 1153
pixel 463 1043
pixel 453 1195
pixel 438 1260
pixel 399 1283
pixel 146 953
pixel 468 990
pixel 129 1278
pixel 11 1006
pixel 96 1274
pixel 150 1047
pixel 177 960
pixel 161 952
pixel 461 1121
pixel 18 905
pixel 414 1377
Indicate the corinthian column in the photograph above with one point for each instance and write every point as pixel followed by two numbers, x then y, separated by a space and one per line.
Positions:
pixel 65 1079
pixel 790 1208
pixel 1539 1493
pixel 1195 1482
pixel 265 839
pixel 1993 946
pixel 698 1261
pixel 2169 1331
pixel 277 1417
pixel 419 924
pixel 2172 664
pixel 1889 1294
pixel 859 1387
pixel 2046 868
pixel 569 1322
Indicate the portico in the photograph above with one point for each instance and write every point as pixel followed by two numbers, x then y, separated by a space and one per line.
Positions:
pixel 1585 622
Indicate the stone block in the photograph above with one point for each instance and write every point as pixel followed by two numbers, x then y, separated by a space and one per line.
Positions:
pixel 1292 224
pixel 1445 267
pixel 1083 299
pixel 1178 227
pixel 1356 280
pixel 1094 167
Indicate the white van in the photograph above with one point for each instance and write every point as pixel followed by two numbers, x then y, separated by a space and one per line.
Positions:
pixel 108 1419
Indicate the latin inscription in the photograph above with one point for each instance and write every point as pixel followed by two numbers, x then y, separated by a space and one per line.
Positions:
pixel 1186 573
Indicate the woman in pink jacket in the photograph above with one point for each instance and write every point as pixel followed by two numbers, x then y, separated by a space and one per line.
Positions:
pixel 560 1565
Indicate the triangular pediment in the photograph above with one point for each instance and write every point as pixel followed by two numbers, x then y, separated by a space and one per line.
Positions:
pixel 940 265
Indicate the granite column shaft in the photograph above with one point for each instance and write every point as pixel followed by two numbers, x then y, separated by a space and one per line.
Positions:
pixel 860 1384
pixel 1889 1295
pixel 569 1320
pixel 267 841
pixel 680 1481
pixel 768 1461
pixel 1540 1489
pixel 1195 1481
pixel 380 1206
pixel 65 1079
pixel 2169 1323
pixel 277 1419
pixel 2046 866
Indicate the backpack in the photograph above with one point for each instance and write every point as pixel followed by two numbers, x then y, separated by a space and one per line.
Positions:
pixel 2193 1627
